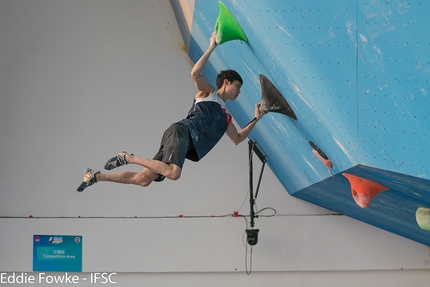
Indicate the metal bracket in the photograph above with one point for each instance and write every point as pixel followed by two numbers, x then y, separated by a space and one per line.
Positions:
pixel 253 147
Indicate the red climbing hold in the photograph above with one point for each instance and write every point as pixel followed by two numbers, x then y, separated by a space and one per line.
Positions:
pixel 327 162
pixel 320 155
pixel 363 190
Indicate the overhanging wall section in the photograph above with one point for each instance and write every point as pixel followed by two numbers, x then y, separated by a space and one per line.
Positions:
pixel 356 75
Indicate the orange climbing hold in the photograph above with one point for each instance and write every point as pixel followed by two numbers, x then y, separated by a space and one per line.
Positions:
pixel 363 190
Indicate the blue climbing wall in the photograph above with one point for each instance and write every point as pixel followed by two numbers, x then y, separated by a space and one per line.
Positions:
pixel 356 74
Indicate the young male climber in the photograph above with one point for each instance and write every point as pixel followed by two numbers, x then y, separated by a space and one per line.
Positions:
pixel 191 138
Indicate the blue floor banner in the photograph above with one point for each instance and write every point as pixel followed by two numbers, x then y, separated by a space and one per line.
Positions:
pixel 57 253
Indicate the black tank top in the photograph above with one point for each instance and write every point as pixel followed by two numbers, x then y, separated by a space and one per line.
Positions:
pixel 207 121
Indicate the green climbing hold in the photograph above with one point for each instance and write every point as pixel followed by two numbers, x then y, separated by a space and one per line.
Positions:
pixel 423 218
pixel 226 27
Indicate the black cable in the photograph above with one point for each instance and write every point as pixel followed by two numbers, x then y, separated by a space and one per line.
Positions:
pixel 267 208
pixel 248 272
pixel 245 244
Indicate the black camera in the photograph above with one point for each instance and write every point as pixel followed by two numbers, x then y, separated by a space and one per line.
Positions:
pixel 252 236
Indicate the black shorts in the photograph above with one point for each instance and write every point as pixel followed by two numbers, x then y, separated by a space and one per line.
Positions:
pixel 175 145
